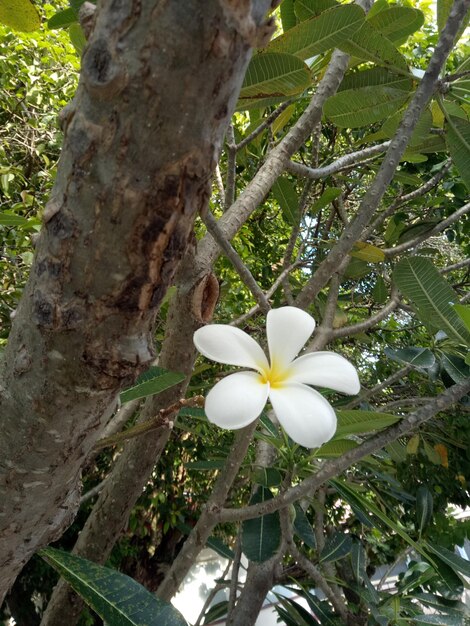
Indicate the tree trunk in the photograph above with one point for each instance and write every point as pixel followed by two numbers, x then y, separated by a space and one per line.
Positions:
pixel 158 85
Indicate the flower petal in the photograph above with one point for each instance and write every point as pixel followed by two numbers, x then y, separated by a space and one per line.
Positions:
pixel 326 369
pixel 226 344
pixel 304 414
pixel 236 400
pixel 288 329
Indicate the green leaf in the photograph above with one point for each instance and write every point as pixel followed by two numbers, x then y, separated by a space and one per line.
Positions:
pixel 458 141
pixel 356 268
pixel 456 367
pixel 358 560
pixel 220 547
pixel 319 34
pixel 327 197
pixel 261 537
pixel 321 610
pixel 437 620
pixel 449 584
pixel 302 527
pixel 267 477
pixel 443 9
pixel 335 448
pixel 286 196
pixel 343 488
pixel 273 75
pixel 305 9
pixel 369 45
pixel 413 445
pixel 431 296
pixel 115 597
pixel 380 291
pixel 424 508
pixel 360 107
pixel 397 23
pixel 420 132
pixel 77 37
pixel 154 380
pixel 19 15
pixel 216 612
pixel 357 422
pixel 62 19
pixel 288 18
pixel 463 311
pixel 374 77
pixel 367 252
pixel 433 455
pixel 337 546
pixel 11 219
pixel 418 357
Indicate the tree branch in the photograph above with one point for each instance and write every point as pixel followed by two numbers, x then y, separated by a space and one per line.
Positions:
pixel 354 158
pixel 337 466
pixel 392 158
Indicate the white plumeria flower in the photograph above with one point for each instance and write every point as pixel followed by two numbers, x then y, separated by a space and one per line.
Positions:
pixel 239 398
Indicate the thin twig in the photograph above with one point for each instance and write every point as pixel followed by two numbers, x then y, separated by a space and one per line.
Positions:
pixel 255 309
pixel 164 419
pixel 392 158
pixel 456 215
pixel 369 393
pixel 267 122
pixel 348 160
pixel 335 467
pixel 233 256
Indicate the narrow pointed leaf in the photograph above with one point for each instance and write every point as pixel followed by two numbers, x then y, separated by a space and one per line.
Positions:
pixel 220 547
pixel 286 196
pixel 371 507
pixel 431 296
pixel 357 422
pixel 20 15
pixel 358 560
pixel 360 107
pixel 456 562
pixel 336 447
pixel 319 34
pixel 424 508
pixel 322 611
pixel 326 198
pixel 154 380
pixel 116 598
pixel 437 620
pixel 302 527
pixel 336 547
pixel 458 141
pixel 380 291
pixel 261 537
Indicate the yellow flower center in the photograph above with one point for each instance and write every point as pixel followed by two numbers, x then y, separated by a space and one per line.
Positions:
pixel 276 375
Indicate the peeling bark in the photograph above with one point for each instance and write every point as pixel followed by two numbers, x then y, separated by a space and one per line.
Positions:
pixel 142 136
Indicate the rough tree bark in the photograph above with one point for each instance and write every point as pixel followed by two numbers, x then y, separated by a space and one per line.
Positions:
pixel 159 82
